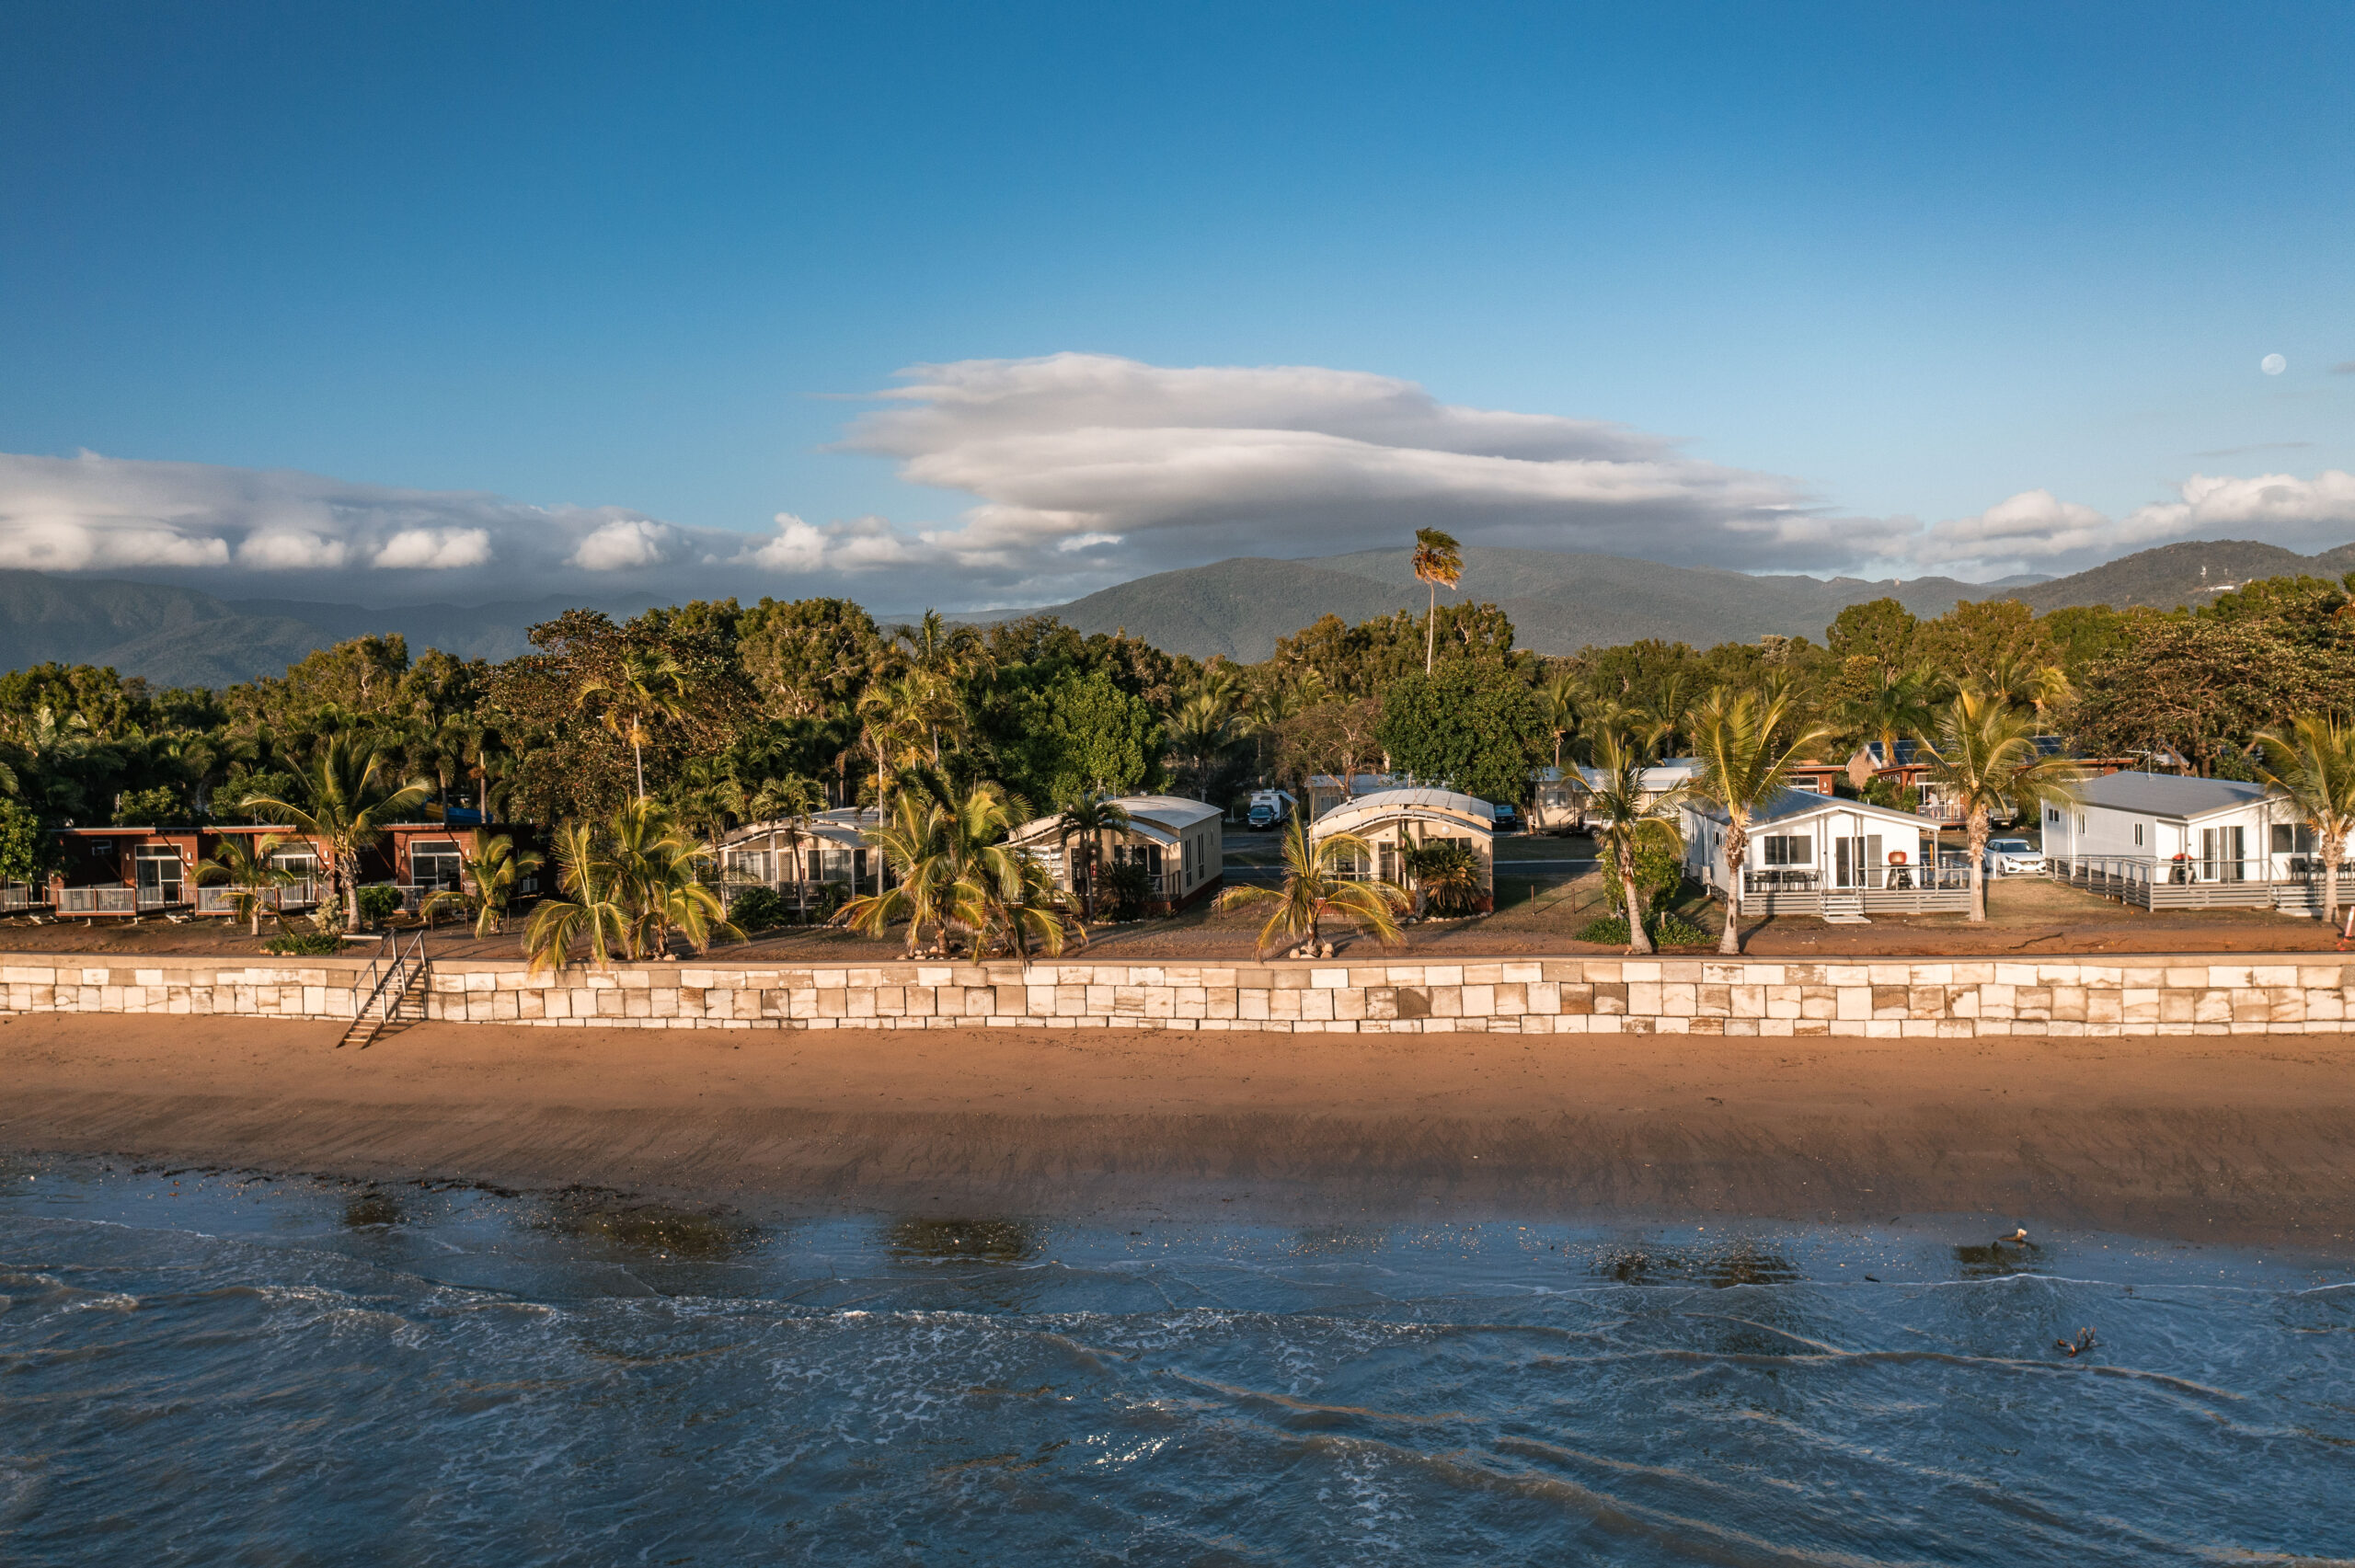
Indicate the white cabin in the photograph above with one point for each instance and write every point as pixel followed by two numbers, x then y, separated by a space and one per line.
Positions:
pixel 1181 843
pixel 1391 819
pixel 828 846
pixel 1807 848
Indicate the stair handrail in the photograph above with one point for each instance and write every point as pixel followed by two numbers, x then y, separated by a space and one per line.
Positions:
pixel 395 978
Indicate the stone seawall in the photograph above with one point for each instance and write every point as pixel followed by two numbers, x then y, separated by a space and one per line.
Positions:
pixel 2239 994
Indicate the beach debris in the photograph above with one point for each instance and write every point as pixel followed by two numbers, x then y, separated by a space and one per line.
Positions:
pixel 2018 1238
pixel 2079 1345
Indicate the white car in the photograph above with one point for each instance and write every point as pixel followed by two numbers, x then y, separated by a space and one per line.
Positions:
pixel 2014 857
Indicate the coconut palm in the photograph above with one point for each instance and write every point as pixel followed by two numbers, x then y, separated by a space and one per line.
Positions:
pixel 1630 817
pixel 2312 766
pixel 1199 732
pixel 1897 703
pixel 1747 745
pixel 1315 888
pixel 1559 701
pixel 788 804
pixel 1983 758
pixel 1087 817
pixel 1439 561
pixel 657 872
pixel 347 797
pixel 246 865
pixel 645 687
pixel 494 869
pixel 589 909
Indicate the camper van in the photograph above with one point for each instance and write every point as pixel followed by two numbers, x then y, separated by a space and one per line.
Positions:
pixel 1269 808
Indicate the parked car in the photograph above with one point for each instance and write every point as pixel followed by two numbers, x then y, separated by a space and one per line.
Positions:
pixel 1269 808
pixel 2014 857
pixel 1508 818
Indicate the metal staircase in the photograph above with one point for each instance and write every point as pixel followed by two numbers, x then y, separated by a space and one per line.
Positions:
pixel 393 988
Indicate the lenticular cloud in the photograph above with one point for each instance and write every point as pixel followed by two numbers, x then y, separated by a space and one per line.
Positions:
pixel 1193 464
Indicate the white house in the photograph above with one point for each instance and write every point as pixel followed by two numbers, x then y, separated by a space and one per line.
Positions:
pixel 829 846
pixel 1181 844
pixel 1811 853
pixel 2160 839
pixel 1560 802
pixel 1391 819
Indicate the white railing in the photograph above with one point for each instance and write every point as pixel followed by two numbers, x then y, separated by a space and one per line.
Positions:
pixel 215 899
pixel 115 899
pixel 1874 879
pixel 18 896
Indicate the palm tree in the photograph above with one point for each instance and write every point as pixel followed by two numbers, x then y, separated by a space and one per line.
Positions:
pixel 2313 768
pixel 589 909
pixel 1314 889
pixel 1630 818
pixel 1897 703
pixel 1739 739
pixel 494 869
pixel 246 865
pixel 348 798
pixel 1985 760
pixel 647 686
pixel 788 803
pixel 1199 731
pixel 1559 701
pixel 1438 560
pixel 1087 817
pixel 916 836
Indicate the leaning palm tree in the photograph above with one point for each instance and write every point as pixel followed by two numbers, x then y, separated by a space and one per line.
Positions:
pixel 1984 760
pixel 2312 766
pixel 1314 889
pixel 1897 703
pixel 246 865
pixel 1631 816
pixel 347 797
pixel 1087 817
pixel 645 687
pixel 1439 561
pixel 588 909
pixel 1746 745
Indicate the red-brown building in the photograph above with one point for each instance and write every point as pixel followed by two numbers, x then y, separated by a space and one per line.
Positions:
pixel 130 871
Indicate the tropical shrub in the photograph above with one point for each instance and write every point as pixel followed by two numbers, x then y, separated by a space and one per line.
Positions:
pixel 759 909
pixel 1123 889
pixel 303 943
pixel 1659 871
pixel 1666 930
pixel 1446 876
pixel 379 902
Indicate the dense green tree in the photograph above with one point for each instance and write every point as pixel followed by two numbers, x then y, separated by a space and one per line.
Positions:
pixel 1474 724
pixel 1078 734
pixel 1881 630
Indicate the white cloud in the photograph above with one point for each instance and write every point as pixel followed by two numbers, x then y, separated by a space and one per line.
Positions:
pixel 434 549
pixel 626 543
pixel 1075 451
pixel 280 531
pixel 2037 529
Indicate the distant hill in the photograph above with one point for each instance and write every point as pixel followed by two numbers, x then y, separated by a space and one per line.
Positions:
pixel 1560 603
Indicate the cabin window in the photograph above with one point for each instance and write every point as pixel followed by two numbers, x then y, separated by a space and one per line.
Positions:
pixel 1791 849
pixel 2290 839
pixel 434 862
pixel 2052 817
pixel 2138 835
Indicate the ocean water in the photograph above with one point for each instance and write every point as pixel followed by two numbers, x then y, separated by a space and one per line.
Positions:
pixel 219 1368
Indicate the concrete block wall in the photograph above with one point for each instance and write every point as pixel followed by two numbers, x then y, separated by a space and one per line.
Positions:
pixel 1893 998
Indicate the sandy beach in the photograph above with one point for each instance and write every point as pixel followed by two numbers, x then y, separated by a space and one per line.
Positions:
pixel 2249 1140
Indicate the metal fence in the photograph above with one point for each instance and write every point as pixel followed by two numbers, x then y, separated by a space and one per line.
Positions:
pixel 112 899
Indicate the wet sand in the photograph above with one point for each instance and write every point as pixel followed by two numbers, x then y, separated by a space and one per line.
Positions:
pixel 2235 1141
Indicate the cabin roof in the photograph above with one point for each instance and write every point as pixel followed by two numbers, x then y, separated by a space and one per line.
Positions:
pixel 1423 803
pixel 2166 795
pixel 1793 806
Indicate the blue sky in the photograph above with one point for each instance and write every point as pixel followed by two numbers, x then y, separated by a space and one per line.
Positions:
pixel 1912 263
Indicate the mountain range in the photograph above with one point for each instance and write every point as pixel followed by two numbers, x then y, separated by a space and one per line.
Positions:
pixel 1560 602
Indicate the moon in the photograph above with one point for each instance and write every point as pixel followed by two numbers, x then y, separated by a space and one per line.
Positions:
pixel 2273 364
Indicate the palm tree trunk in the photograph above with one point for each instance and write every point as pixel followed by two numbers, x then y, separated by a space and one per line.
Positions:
pixel 1638 939
pixel 1431 632
pixel 2331 848
pixel 639 757
pixel 1736 854
pixel 1978 834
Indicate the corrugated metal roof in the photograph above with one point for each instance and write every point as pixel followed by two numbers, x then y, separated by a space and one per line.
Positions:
pixel 2166 795
pixel 1793 803
pixel 1394 802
